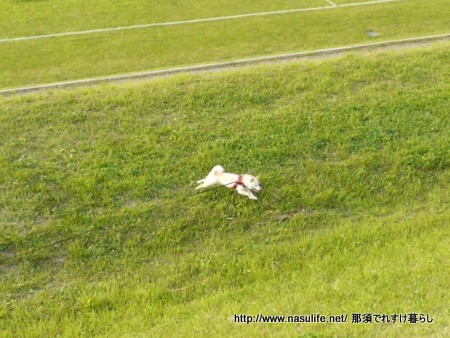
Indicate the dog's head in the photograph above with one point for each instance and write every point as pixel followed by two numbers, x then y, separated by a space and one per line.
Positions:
pixel 251 182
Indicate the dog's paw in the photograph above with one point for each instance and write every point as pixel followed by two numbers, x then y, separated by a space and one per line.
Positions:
pixel 253 197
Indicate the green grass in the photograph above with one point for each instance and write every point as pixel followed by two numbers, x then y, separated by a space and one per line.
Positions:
pixel 353 216
pixel 31 62
pixel 52 16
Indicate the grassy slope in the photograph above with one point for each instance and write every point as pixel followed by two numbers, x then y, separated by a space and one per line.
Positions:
pixel 353 155
pixel 42 61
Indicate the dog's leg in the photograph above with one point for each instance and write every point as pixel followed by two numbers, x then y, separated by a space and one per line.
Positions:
pixel 246 192
pixel 201 181
pixel 206 184
pixel 203 185
pixel 251 196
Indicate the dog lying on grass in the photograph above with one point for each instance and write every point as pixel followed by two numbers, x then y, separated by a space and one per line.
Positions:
pixel 243 184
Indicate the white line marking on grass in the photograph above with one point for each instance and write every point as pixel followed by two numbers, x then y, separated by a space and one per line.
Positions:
pixel 221 65
pixel 331 3
pixel 366 3
pixel 174 23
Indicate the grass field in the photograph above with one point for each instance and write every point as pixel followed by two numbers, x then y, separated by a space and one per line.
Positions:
pixel 353 155
pixel 62 16
pixel 37 61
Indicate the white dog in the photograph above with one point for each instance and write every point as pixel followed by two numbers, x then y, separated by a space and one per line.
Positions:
pixel 243 184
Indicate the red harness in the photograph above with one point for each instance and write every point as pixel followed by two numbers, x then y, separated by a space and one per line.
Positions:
pixel 238 182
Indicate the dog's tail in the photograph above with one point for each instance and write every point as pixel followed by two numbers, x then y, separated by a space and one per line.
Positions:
pixel 218 170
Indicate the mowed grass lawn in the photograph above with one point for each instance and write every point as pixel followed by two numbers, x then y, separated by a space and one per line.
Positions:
pixel 24 18
pixel 31 62
pixel 353 156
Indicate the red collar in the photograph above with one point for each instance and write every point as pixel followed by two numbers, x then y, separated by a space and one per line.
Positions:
pixel 240 181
